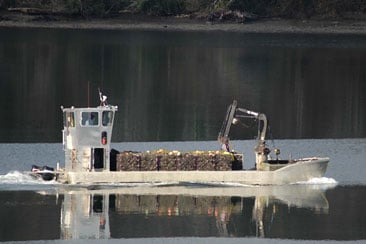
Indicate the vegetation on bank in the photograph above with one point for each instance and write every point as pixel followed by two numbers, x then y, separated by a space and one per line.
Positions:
pixel 220 9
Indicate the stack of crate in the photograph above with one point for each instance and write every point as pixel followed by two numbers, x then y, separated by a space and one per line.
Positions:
pixel 162 160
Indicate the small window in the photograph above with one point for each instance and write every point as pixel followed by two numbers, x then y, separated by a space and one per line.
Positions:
pixel 107 118
pixel 89 119
pixel 69 120
pixel 98 203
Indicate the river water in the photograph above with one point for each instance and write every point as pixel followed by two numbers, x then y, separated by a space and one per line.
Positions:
pixel 172 89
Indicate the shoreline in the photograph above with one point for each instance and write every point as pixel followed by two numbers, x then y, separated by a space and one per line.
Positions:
pixel 273 26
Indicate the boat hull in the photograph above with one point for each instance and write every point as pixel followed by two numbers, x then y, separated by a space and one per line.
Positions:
pixel 302 170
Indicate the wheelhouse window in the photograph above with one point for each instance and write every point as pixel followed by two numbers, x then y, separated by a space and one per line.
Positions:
pixel 89 118
pixel 107 118
pixel 69 119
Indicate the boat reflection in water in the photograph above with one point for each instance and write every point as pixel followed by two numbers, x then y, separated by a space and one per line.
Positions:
pixel 167 211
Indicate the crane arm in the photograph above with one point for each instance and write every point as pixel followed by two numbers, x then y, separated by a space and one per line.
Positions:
pixel 225 128
pixel 232 115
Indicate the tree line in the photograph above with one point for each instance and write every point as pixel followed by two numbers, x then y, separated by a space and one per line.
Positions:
pixel 193 8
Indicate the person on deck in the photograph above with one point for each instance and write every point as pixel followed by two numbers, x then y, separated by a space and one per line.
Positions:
pixel 226 145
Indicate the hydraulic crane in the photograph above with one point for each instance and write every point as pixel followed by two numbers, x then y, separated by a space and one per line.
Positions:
pixel 233 115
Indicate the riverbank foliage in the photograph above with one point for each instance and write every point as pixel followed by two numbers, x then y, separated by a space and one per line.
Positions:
pixel 299 9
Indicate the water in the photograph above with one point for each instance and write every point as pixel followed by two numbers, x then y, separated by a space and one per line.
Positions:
pixel 172 89
pixel 176 86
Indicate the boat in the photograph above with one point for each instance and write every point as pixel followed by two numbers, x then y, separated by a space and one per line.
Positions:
pixel 90 160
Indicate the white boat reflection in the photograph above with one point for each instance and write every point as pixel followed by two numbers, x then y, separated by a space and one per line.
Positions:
pixel 137 211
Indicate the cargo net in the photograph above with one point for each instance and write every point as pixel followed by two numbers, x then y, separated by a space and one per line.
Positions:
pixel 162 160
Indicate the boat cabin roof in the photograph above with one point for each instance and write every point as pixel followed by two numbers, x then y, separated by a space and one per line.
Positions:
pixel 89 117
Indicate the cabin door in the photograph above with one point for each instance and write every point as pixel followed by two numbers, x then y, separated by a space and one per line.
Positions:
pixel 98 158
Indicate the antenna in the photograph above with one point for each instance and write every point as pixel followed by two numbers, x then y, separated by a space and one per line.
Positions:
pixel 88 94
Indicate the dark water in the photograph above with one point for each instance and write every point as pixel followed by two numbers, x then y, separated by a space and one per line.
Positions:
pixel 99 214
pixel 173 88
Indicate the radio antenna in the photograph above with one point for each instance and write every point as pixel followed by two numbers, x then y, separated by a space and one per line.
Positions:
pixel 88 94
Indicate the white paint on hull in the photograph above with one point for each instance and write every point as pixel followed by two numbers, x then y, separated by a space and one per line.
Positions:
pixel 303 170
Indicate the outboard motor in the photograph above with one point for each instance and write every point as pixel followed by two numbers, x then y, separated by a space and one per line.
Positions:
pixel 46 172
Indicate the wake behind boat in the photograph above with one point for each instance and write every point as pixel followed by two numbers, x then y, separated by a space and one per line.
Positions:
pixel 90 160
